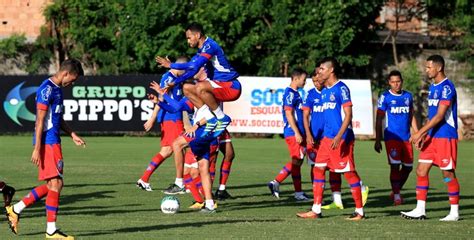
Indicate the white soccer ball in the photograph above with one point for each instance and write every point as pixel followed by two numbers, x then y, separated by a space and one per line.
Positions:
pixel 170 205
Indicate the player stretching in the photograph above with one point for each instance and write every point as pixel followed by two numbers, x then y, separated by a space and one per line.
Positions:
pixel 47 153
pixel 294 136
pixel 7 192
pixel 206 95
pixel 396 106
pixel 437 140
pixel 171 128
pixel 336 147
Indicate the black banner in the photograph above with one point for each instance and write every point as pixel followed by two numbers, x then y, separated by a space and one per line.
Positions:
pixel 92 104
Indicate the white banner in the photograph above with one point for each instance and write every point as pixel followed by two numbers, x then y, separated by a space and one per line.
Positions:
pixel 259 108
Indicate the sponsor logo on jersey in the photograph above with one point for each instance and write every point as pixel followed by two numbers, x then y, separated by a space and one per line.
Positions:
pixel 399 109
pixel 433 102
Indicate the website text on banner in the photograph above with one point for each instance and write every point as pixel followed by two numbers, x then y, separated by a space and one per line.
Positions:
pixel 259 109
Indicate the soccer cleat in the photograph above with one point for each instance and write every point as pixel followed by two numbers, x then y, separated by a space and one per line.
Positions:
pixel 206 210
pixel 365 195
pixel 221 125
pixel 450 218
pixel 309 214
pixel 174 189
pixel 333 205
pixel 144 185
pixel 211 124
pixel 59 235
pixel 274 187
pixel 414 214
pixel 8 193
pixel 355 217
pixel 197 205
pixel 302 197
pixel 222 195
pixel 13 219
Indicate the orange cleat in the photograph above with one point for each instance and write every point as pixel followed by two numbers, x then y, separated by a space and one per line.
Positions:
pixel 355 217
pixel 309 214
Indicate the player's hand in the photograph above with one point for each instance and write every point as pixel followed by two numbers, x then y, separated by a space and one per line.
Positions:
pixel 153 98
pixel 77 140
pixel 335 142
pixel 421 142
pixel 155 86
pixel 149 124
pixel 310 140
pixel 163 62
pixel 36 157
pixel 378 146
pixel 191 132
pixel 299 138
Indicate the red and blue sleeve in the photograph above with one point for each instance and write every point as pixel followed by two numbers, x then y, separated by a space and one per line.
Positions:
pixel 43 96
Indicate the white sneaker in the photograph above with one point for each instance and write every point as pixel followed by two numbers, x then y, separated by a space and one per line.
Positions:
pixel 144 185
pixel 450 218
pixel 414 214
pixel 301 197
pixel 274 187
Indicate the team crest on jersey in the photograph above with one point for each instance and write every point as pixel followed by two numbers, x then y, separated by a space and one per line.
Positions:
pixel 435 94
pixel 168 80
pixel 289 98
pixel 46 92
pixel 393 152
pixel 316 100
pixel 344 93
pixel 446 91
pixel 332 97
pixel 407 101
pixel 206 47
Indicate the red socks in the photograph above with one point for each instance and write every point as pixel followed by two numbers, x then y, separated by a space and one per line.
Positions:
pixel 335 181
pixel 154 164
pixel 296 176
pixel 422 185
pixel 318 185
pixel 453 190
pixel 354 181
pixel 395 180
pixel 284 172
pixel 225 171
pixel 191 185
pixel 52 204
pixel 36 194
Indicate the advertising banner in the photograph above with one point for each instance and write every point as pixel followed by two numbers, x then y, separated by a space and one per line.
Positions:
pixel 259 108
pixel 99 103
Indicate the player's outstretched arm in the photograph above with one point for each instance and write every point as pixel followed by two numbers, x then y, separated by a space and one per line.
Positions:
pixel 75 138
pixel 40 116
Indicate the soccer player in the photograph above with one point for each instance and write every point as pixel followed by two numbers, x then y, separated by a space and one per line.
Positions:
pixel 336 147
pixel 396 106
pixel 207 95
pixel 294 136
pixel 7 192
pixel 171 127
pixel 227 149
pixel 437 140
pixel 47 153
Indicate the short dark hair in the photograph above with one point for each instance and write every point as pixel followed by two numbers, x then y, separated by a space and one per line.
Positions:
pixel 195 27
pixel 437 59
pixel 298 72
pixel 334 64
pixel 72 66
pixel 395 73
pixel 315 72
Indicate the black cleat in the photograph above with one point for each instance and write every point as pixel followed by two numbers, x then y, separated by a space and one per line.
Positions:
pixel 174 189
pixel 8 193
pixel 222 195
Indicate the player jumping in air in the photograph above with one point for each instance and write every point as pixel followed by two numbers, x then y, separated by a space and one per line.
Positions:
pixel 223 85
pixel 47 154
pixel 437 140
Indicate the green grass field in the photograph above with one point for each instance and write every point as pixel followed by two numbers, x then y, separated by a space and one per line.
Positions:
pixel 100 199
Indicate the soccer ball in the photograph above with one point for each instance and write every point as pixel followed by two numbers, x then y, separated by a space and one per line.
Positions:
pixel 170 205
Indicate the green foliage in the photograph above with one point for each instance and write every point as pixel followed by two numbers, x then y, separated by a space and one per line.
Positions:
pixel 412 77
pixel 12 46
pixel 259 37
